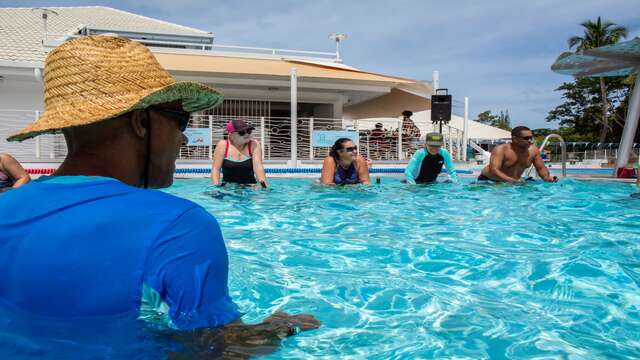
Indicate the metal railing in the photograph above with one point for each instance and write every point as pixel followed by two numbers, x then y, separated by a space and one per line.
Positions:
pixel 52 40
pixel 563 147
pixel 273 133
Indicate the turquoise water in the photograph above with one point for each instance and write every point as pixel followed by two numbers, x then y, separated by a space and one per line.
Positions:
pixel 441 271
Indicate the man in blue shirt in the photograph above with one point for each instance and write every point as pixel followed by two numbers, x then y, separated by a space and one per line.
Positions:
pixel 91 241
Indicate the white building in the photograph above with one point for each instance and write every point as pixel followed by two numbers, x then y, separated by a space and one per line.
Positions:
pixel 257 83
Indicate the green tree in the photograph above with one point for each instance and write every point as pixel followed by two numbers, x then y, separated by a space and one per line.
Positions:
pixel 502 121
pixel 579 116
pixel 596 34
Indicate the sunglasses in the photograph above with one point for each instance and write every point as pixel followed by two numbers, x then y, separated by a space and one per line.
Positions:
pixel 244 132
pixel 351 149
pixel 182 116
pixel 527 138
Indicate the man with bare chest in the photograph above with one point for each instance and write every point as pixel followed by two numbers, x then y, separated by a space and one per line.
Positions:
pixel 509 161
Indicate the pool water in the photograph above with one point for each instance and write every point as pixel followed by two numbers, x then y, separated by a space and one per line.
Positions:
pixel 440 271
pixel 394 271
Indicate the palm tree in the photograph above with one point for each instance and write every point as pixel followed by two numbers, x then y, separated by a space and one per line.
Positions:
pixel 598 34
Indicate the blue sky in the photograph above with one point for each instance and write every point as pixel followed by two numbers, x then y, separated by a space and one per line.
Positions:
pixel 496 52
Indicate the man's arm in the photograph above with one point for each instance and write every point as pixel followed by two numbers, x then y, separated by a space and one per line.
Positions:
pixel 495 164
pixel 188 266
pixel 541 168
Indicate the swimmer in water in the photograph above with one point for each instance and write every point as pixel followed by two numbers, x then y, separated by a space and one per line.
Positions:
pixel 344 166
pixel 509 161
pixel 426 164
pixel 239 157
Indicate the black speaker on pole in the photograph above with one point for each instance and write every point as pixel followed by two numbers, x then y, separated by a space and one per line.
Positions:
pixel 441 107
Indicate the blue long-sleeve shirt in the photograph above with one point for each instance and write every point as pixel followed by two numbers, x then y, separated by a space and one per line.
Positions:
pixel 414 168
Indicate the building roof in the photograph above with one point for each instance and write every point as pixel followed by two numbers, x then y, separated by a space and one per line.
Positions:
pixel 21 28
pixel 218 64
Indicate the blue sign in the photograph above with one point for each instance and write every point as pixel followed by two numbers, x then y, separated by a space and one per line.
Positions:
pixel 326 138
pixel 198 136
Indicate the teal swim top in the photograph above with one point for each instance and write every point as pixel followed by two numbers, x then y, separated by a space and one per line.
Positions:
pixel 84 247
pixel 425 167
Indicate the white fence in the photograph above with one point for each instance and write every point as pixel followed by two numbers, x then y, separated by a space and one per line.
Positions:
pixel 273 133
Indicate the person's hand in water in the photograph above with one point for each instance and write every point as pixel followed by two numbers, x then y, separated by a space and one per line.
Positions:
pixel 241 341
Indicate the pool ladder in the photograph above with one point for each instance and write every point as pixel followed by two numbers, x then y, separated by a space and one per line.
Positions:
pixel 563 146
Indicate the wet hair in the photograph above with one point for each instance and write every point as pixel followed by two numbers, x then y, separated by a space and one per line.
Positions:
pixel 338 145
pixel 518 129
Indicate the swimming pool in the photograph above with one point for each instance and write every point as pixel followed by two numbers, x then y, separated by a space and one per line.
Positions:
pixel 465 271
pixel 403 272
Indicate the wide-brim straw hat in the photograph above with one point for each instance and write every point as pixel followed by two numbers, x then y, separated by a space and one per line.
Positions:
pixel 95 78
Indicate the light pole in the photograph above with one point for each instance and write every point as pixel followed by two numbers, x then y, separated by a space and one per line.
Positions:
pixel 337 38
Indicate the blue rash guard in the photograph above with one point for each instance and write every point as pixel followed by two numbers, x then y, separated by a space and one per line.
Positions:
pixel 74 247
pixel 425 167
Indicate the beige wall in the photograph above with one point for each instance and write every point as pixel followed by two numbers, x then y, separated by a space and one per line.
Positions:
pixel 387 105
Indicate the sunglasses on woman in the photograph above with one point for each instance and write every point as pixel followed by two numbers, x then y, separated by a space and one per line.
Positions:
pixel 244 132
pixel 351 149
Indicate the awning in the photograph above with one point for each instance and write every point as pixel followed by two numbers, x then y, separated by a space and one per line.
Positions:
pixel 388 105
pixel 220 64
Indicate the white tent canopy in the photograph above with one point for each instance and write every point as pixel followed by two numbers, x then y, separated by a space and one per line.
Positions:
pixel 422 119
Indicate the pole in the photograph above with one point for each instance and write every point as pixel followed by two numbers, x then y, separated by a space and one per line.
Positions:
pixel 630 127
pixel 465 134
pixel 294 117
pixel 37 138
pixel 436 82
pixel 400 140
pixel 357 127
pixel 211 134
pixel 311 138
pixel 458 145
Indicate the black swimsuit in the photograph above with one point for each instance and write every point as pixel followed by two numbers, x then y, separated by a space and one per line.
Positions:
pixel 239 172
pixel 430 168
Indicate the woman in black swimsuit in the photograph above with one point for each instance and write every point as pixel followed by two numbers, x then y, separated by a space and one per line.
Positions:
pixel 239 157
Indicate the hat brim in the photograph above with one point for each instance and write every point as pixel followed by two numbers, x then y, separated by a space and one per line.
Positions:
pixel 435 143
pixel 194 97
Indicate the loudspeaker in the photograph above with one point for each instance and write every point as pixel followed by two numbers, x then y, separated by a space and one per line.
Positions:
pixel 440 107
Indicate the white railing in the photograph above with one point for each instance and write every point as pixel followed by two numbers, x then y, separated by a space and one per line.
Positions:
pixel 273 133
pixel 45 148
pixel 52 40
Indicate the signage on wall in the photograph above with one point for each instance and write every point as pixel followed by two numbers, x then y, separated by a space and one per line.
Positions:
pixel 326 138
pixel 198 136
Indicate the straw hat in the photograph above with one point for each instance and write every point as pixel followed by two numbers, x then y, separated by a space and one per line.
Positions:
pixel 95 78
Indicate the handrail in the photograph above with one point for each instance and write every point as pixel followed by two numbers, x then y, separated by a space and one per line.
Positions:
pixel 483 152
pixel 55 39
pixel 563 146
